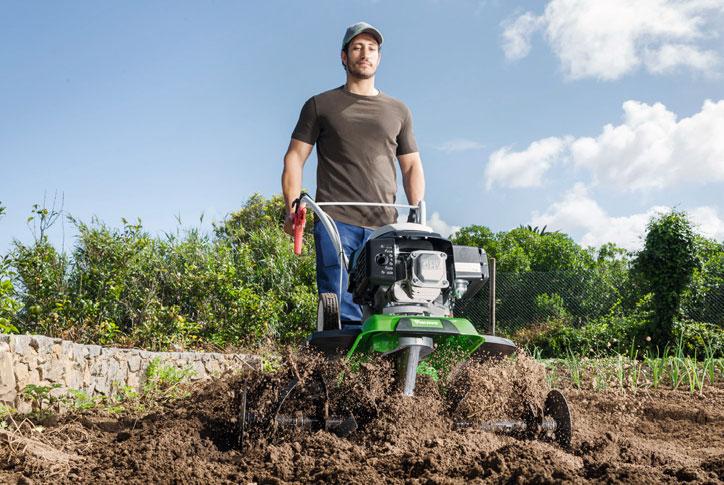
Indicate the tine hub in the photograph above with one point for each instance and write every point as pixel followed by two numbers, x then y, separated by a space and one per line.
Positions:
pixel 410 351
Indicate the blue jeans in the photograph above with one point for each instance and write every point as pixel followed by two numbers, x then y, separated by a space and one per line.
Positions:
pixel 353 237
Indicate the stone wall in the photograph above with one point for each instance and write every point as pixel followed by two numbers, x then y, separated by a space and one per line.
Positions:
pixel 34 359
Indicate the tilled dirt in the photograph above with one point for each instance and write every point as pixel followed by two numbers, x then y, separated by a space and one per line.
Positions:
pixel 659 436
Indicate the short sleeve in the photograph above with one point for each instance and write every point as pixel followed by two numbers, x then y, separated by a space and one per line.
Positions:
pixel 406 138
pixel 307 129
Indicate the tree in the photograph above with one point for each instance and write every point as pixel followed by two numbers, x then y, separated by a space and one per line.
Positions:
pixel 538 230
pixel 8 304
pixel 666 266
pixel 526 249
pixel 257 213
pixel 478 236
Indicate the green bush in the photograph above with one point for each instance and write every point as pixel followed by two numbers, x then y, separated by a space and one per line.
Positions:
pixel 239 286
pixel 551 307
pixel 666 266
pixel 9 305
pixel 601 336
pixel 698 338
pixel 703 299
pixel 617 335
pixel 526 249
pixel 40 273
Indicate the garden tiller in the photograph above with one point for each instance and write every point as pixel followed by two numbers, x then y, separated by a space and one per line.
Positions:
pixel 407 280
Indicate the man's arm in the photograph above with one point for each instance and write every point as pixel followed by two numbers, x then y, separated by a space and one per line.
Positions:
pixel 413 178
pixel 296 155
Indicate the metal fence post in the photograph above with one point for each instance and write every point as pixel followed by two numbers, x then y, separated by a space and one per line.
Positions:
pixel 491 293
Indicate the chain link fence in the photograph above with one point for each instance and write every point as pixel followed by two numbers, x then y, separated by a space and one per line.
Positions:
pixel 535 298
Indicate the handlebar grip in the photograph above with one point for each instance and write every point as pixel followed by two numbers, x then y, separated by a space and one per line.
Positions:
pixel 300 219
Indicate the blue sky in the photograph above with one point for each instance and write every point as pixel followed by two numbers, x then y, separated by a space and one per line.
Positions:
pixel 586 116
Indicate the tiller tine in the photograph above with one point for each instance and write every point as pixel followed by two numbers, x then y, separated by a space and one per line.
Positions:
pixel 555 424
pixel 338 424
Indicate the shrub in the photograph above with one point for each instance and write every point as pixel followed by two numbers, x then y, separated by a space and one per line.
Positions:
pixel 617 334
pixel 239 286
pixel 699 338
pixel 41 275
pixel 551 307
pixel 601 336
pixel 9 305
pixel 666 265
pixel 703 299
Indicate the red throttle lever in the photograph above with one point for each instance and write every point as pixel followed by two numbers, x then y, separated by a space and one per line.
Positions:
pixel 300 219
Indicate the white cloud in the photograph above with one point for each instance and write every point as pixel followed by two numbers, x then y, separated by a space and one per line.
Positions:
pixel 669 57
pixel 459 145
pixel 707 222
pixel 440 226
pixel 609 39
pixel 525 168
pixel 517 34
pixel 435 222
pixel 578 212
pixel 650 149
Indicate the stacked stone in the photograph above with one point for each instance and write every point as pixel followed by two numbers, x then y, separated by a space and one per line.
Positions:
pixel 96 370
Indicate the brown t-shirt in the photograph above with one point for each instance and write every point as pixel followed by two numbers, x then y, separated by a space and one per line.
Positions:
pixel 358 138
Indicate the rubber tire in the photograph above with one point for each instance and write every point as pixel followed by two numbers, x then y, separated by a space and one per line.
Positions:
pixel 328 313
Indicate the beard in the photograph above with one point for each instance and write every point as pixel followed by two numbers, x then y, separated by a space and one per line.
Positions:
pixel 357 72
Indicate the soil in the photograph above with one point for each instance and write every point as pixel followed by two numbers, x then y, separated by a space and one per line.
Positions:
pixel 661 436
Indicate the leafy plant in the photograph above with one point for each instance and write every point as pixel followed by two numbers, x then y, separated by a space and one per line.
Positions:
pixel 551 307
pixel 9 306
pixel 5 411
pixel 41 399
pixel 163 381
pixel 635 373
pixel 600 378
pixel 80 400
pixel 270 362
pixel 241 286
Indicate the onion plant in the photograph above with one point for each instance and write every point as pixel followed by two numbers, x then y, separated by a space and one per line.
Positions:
pixel 574 368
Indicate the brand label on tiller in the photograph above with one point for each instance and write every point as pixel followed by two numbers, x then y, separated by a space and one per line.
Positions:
pixel 419 322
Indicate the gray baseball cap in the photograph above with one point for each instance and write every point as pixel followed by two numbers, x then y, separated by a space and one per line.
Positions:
pixel 360 28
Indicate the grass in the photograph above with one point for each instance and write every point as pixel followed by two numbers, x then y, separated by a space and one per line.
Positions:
pixel 631 372
pixel 620 372
pixel 657 366
pixel 574 368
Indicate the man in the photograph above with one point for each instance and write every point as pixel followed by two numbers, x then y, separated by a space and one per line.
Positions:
pixel 359 131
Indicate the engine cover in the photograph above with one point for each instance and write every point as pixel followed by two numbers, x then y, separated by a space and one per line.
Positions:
pixel 409 269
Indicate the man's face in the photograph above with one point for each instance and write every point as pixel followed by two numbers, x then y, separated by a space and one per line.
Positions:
pixel 362 56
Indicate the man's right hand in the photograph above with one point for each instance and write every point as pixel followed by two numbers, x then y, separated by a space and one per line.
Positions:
pixel 289 224
pixel 294 159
